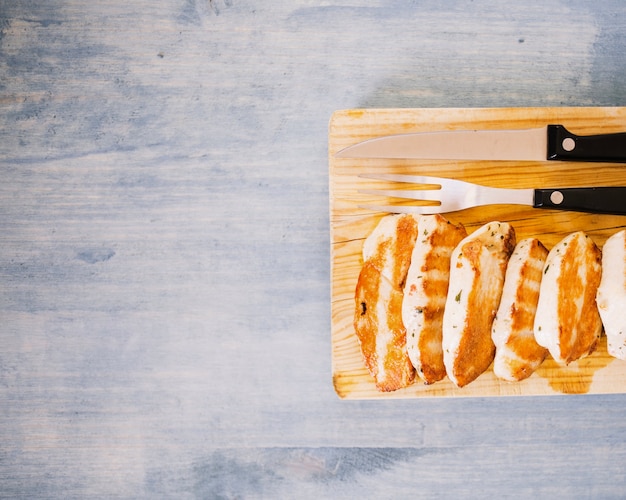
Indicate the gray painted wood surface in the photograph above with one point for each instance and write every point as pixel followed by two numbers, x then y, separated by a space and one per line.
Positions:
pixel 164 248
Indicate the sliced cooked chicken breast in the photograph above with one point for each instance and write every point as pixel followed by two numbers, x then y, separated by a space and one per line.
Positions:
pixel 425 294
pixel 517 353
pixel 611 297
pixel 477 270
pixel 567 322
pixel 378 302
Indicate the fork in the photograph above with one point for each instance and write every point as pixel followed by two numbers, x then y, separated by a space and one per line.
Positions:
pixel 453 195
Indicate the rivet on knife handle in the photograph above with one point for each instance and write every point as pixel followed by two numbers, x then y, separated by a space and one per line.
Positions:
pixel 563 145
pixel 601 200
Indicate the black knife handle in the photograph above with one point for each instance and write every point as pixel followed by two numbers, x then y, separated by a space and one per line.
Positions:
pixel 563 145
pixel 600 200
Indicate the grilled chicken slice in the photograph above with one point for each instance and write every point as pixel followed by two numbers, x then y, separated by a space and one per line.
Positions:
pixel 517 353
pixel 611 296
pixel 425 294
pixel 567 322
pixel 378 302
pixel 477 269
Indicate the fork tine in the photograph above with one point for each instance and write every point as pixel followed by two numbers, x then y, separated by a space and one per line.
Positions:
pixel 405 209
pixel 413 194
pixel 424 180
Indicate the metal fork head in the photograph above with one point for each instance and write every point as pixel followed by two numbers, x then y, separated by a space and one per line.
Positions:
pixel 437 195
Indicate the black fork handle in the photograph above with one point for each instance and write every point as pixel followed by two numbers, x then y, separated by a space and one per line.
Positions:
pixel 600 200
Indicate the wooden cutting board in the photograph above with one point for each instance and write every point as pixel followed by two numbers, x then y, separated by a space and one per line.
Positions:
pixel 349 225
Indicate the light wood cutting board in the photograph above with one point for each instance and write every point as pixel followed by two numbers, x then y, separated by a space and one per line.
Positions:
pixel 349 225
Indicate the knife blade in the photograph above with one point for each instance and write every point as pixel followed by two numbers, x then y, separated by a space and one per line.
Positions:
pixel 552 142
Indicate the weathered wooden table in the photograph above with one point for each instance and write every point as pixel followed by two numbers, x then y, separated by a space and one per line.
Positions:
pixel 164 248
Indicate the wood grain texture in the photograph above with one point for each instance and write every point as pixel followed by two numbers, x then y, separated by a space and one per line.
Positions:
pixel 164 247
pixel 351 224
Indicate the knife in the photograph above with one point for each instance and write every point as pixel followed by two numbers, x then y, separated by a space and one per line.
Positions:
pixel 552 142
